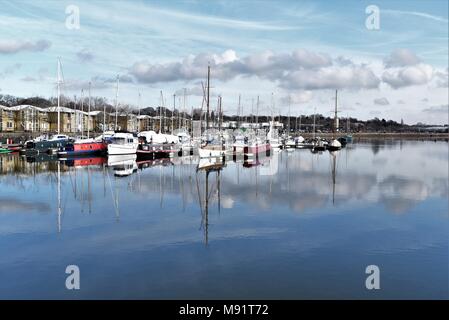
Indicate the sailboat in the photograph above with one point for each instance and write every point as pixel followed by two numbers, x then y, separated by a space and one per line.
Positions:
pixel 318 144
pixel 334 144
pixel 49 143
pixel 213 146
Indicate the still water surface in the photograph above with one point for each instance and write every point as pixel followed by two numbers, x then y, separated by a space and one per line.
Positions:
pixel 296 226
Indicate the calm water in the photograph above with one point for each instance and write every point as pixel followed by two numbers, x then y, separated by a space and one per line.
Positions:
pixel 297 226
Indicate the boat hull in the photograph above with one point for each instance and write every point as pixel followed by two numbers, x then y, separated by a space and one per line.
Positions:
pixel 118 149
pixel 83 149
pixel 157 150
pixel 33 148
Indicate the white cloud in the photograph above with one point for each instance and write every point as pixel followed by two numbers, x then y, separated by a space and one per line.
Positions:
pixel 401 58
pixel 300 69
pixel 408 76
pixel 442 78
pixel 348 77
pixel 14 46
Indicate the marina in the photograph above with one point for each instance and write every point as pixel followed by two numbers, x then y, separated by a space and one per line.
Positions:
pixel 224 159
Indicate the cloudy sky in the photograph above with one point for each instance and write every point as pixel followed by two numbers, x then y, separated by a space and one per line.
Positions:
pixel 299 51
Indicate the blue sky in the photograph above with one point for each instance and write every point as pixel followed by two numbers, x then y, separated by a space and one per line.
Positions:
pixel 299 50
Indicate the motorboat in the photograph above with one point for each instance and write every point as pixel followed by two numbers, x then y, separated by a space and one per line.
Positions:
pixel 123 143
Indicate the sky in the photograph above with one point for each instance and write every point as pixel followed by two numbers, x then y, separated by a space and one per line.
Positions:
pixel 293 55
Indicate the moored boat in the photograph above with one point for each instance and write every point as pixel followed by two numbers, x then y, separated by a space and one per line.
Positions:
pixel 123 143
pixel 83 147
pixel 334 145
pixel 4 150
pixel 45 144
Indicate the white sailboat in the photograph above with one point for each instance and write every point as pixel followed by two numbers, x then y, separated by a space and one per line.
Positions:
pixel 212 147
pixel 334 144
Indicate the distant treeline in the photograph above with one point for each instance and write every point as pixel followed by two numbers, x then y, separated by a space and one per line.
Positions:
pixel 304 122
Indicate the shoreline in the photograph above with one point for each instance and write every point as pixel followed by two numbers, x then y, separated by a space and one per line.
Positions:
pixel 18 137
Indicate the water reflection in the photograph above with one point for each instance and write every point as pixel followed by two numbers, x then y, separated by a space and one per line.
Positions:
pixel 300 179
pixel 300 209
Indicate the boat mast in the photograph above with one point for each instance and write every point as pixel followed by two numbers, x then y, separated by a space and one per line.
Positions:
pixel 59 94
pixel 208 95
pixel 257 113
pixel 314 115
pixel 138 102
pixel 184 108
pixel 238 112
pixel 88 114
pixel 335 116
pixel 220 114
pixel 82 111
pixel 76 117
pixel 173 113
pixel 289 102
pixel 116 103
pixel 160 113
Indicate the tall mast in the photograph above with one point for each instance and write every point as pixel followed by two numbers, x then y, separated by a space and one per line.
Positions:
pixel 238 111
pixel 88 114
pixel 138 102
pixel 82 111
pixel 335 117
pixel 173 114
pixel 116 103
pixel 289 103
pixel 184 108
pixel 220 113
pixel 257 113
pixel 160 113
pixel 76 121
pixel 208 95
pixel 59 94
pixel 314 115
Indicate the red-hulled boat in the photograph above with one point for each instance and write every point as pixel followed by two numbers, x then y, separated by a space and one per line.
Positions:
pixel 83 148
